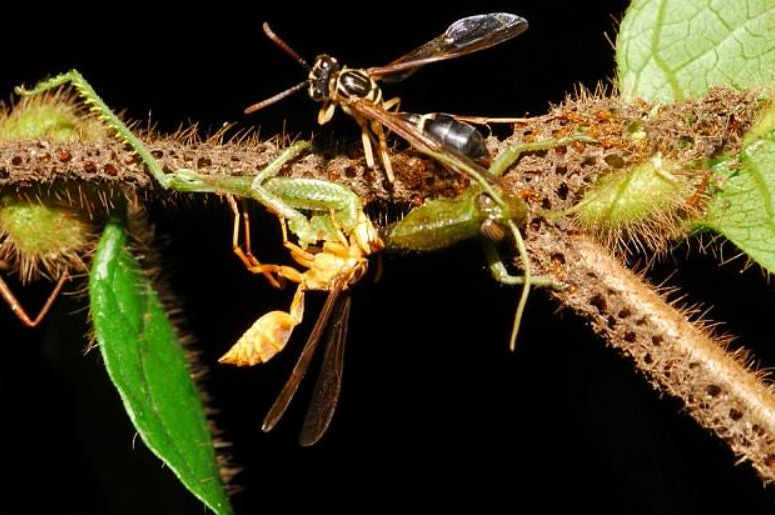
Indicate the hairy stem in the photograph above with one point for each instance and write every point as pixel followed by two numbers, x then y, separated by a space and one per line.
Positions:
pixel 676 354
pixel 720 389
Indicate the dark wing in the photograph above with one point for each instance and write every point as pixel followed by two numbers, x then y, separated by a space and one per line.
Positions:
pixel 465 36
pixel 289 390
pixel 399 123
pixel 329 383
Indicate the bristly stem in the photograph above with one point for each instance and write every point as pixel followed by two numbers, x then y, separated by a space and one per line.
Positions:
pixel 104 113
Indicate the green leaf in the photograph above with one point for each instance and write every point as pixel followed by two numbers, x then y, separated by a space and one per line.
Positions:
pixel 744 210
pixel 145 361
pixel 670 50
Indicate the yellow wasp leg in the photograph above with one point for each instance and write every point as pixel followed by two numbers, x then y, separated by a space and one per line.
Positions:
pixel 376 127
pixel 326 113
pixel 366 141
pixel 246 256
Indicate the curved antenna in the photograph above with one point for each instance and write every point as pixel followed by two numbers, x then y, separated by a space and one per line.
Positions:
pixel 290 91
pixel 285 47
pixel 276 98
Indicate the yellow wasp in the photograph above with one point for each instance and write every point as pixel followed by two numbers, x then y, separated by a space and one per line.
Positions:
pixel 333 268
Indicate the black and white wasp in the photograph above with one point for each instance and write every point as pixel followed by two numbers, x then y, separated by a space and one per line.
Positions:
pixel 356 91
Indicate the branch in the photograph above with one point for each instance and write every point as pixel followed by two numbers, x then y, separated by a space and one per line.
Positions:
pixel 679 356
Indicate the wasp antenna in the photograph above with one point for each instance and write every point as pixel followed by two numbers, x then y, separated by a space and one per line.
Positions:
pixel 276 98
pixel 287 49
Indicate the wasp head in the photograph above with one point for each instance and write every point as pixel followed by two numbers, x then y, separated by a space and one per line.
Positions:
pixel 321 76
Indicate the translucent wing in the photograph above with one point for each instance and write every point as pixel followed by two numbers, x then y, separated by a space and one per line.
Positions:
pixel 289 390
pixel 329 383
pixel 465 36
pixel 398 123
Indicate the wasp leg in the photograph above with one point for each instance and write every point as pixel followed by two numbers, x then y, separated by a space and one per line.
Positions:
pixel 376 128
pixel 326 113
pixel 394 103
pixel 302 256
pixel 267 336
pixel 366 141
pixel 18 309
pixel 511 154
pixel 484 120
pixel 246 255
pixel 338 230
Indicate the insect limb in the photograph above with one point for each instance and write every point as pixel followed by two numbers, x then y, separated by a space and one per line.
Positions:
pixel 376 128
pixel 394 104
pixel 191 181
pixel 246 255
pixel 511 154
pixel 326 113
pixel 18 309
pixel 300 255
pixel 500 272
pixel 274 167
pixel 96 104
pixel 484 120
pixel 527 282
pixel 322 198
pixel 366 142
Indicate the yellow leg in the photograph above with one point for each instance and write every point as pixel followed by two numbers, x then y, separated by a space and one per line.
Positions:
pixel 339 232
pixel 392 104
pixel 302 256
pixel 366 141
pixel 246 256
pixel 376 127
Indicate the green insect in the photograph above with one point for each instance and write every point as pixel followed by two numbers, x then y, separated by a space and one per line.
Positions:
pixel 284 197
pixel 335 241
pixel 485 210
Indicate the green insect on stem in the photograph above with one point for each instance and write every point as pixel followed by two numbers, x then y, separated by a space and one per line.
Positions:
pixel 284 197
pixel 442 222
pixel 439 223
pixel 104 113
pixel 336 206
pixel 506 158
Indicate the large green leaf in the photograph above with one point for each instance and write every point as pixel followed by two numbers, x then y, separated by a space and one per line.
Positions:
pixel 744 210
pixel 670 50
pixel 146 363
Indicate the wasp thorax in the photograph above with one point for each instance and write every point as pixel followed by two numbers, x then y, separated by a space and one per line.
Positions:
pixel 325 68
pixel 357 83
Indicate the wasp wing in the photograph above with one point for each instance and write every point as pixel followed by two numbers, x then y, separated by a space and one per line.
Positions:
pixel 329 383
pixel 463 37
pixel 302 364
pixel 400 124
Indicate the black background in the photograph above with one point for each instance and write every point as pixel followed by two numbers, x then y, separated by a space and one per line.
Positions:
pixel 435 411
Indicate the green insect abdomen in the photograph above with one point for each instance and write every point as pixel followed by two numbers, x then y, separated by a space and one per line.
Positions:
pixel 437 224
